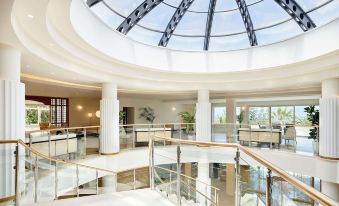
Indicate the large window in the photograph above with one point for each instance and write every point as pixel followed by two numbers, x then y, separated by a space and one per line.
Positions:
pixel 219 115
pixel 259 115
pixel 59 112
pixel 282 115
pixel 36 114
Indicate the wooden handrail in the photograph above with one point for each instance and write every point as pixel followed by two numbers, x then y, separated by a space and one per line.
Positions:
pixel 310 191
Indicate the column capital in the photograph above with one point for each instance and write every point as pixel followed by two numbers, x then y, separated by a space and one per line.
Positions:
pixel 330 88
pixel 109 90
pixel 9 63
pixel 203 95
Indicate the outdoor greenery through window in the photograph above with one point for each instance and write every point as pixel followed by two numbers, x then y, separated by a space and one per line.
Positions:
pixel 37 114
pixel 282 115
pixel 219 115
pixel 259 115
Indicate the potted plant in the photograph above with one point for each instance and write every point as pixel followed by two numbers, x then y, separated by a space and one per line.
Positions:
pixel 189 118
pixel 148 114
pixel 240 117
pixel 313 117
pixel 122 115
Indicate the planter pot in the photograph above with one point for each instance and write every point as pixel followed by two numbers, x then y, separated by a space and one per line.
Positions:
pixel 316 147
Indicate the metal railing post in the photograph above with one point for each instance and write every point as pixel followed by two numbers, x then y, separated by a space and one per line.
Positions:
pixel 17 173
pixel 49 145
pixel 170 185
pixel 237 178
pixel 134 180
pixel 269 188
pixel 67 137
pixel 178 176
pixel 85 141
pixel 133 138
pixel 36 170
pixel 151 163
pixel 189 190
pixel 180 132
pixel 96 182
pixel 77 179
pixel 56 181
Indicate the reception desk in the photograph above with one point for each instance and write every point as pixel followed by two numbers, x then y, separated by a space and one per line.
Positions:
pixel 142 134
pixel 260 135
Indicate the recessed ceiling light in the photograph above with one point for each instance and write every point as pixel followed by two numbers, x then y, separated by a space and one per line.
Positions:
pixel 30 16
pixel 52 73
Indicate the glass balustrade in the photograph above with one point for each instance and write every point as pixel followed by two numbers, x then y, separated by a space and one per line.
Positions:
pixel 184 172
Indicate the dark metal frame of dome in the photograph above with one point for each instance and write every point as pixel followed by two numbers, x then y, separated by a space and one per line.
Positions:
pixel 211 9
pixel 290 6
pixel 175 20
pixel 92 2
pixel 247 22
pixel 137 15
pixel 297 13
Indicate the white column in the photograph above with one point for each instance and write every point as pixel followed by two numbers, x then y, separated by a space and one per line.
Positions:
pixel 246 121
pixel 203 117
pixel 12 114
pixel 109 120
pixel 203 180
pixel 231 119
pixel 329 119
pixel 330 189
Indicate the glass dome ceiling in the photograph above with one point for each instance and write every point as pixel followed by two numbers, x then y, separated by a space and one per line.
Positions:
pixel 213 25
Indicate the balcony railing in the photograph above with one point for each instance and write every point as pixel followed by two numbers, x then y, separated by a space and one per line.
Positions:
pixel 269 195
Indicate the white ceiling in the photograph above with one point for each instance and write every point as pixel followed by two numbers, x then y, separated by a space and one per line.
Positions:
pixel 54 54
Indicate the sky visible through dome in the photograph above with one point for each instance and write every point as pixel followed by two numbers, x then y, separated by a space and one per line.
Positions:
pixel 271 23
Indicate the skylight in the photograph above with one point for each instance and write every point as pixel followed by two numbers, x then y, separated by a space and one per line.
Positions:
pixel 213 25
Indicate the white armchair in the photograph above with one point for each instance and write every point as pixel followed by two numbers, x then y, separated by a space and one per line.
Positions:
pixel 290 134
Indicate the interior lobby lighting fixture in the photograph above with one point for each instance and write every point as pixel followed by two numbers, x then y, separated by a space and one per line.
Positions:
pixel 79 107
pixel 173 108
pixel 30 16
pixel 90 115
pixel 97 113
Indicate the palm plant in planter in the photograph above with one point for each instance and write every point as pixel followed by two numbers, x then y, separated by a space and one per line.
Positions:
pixel 240 117
pixel 148 114
pixel 313 117
pixel 188 117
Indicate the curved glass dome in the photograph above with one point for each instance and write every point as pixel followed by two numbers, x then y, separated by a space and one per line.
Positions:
pixel 213 25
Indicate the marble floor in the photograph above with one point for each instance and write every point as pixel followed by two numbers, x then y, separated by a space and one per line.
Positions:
pixel 140 197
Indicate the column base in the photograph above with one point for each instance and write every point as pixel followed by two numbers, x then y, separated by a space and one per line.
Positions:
pixel 109 153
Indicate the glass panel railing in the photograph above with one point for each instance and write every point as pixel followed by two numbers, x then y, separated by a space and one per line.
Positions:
pixel 35 177
pixel 65 143
pixel 255 180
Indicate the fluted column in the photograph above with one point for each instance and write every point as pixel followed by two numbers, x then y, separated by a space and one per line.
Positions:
pixel 202 182
pixel 231 119
pixel 12 115
pixel 203 116
pixel 109 120
pixel 329 120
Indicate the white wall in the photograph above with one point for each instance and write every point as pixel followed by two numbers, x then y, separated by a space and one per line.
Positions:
pixel 163 110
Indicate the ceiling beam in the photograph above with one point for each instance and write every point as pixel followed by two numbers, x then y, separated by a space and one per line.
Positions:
pixel 209 22
pixel 297 13
pixel 92 2
pixel 175 20
pixel 247 22
pixel 137 15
